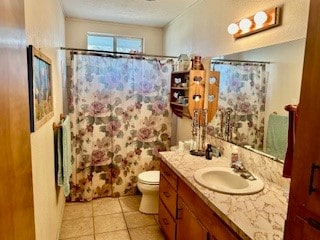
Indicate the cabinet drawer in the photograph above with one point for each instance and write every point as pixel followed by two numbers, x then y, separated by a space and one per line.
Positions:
pixel 167 223
pixel 168 195
pixel 168 174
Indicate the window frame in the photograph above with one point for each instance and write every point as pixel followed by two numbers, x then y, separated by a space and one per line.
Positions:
pixel 115 37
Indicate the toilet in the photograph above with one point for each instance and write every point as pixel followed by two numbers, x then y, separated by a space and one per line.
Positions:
pixel 148 185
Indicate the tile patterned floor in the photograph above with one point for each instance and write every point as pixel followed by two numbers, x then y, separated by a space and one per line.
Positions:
pixel 109 219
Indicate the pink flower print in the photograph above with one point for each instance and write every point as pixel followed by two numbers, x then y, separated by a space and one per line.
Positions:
pixel 130 155
pixel 90 128
pixel 159 107
pixel 234 84
pixel 98 158
pixel 97 108
pixel 145 87
pixel 111 80
pixel 245 107
pixel 138 106
pixel 130 109
pixel 113 127
pixel 138 151
pixel 125 116
pixel 124 163
pixel 145 134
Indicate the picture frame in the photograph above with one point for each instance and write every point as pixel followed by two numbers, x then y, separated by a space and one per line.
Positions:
pixel 40 88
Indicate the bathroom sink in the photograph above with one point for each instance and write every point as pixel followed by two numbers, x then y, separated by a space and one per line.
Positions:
pixel 225 180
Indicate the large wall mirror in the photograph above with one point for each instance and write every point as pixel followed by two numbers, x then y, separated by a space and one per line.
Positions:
pixel 255 86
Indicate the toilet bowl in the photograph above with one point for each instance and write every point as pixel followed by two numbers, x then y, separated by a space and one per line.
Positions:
pixel 148 185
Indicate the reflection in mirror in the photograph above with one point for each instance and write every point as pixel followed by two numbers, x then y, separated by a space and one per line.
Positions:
pixel 253 94
pixel 241 112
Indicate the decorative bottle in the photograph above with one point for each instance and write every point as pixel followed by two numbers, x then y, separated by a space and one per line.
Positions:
pixel 209 152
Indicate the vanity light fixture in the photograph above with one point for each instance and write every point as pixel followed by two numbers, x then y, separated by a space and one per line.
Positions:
pixel 261 21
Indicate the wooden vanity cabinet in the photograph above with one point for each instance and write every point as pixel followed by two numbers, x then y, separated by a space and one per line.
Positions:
pixel 184 215
pixel 167 201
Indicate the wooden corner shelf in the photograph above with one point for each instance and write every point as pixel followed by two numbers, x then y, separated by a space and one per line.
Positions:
pixel 184 85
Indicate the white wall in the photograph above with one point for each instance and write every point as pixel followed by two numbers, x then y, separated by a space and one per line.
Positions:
pixel 77 29
pixel 285 73
pixel 45 30
pixel 202 30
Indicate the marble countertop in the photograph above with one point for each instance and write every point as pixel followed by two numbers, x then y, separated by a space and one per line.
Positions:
pixel 259 216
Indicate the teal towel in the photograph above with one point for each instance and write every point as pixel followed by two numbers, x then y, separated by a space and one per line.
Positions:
pixel 64 156
pixel 59 157
pixel 277 136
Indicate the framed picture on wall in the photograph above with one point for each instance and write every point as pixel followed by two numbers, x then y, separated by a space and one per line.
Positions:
pixel 40 88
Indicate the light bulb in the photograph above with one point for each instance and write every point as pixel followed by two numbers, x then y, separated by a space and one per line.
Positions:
pixel 260 18
pixel 233 28
pixel 245 24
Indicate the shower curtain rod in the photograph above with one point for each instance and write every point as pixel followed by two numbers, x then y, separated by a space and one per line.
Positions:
pixel 111 52
pixel 237 61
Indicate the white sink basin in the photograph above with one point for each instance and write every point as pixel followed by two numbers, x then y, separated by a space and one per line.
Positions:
pixel 224 180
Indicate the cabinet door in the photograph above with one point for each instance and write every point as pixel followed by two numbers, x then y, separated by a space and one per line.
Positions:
pixel 305 184
pixel 166 222
pixel 188 226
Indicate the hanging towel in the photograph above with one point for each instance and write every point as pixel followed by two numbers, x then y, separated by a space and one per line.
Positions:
pixel 64 156
pixel 277 136
pixel 56 138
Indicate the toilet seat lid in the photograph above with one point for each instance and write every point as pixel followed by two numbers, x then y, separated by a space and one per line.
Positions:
pixel 149 177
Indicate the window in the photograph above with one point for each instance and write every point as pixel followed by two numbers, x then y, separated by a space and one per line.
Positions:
pixel 112 43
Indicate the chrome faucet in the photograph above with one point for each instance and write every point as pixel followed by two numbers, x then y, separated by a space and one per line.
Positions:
pixel 238 167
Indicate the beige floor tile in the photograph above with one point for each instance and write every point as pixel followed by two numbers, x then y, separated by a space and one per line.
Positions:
pixel 105 206
pixel 77 210
pixel 118 235
pixel 130 203
pixel 150 233
pixel 76 227
pixel 90 237
pixel 137 219
pixel 109 223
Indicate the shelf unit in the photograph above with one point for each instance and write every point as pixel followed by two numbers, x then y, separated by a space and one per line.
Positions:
pixel 184 86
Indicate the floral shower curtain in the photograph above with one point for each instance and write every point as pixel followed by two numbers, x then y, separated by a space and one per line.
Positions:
pixel 120 121
pixel 242 96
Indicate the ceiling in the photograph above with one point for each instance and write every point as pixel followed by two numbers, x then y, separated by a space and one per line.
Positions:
pixel 154 13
